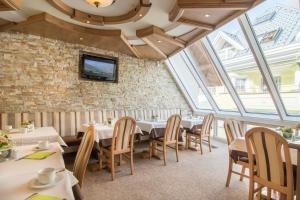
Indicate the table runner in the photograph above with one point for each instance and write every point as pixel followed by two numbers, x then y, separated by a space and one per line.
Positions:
pixel 16 175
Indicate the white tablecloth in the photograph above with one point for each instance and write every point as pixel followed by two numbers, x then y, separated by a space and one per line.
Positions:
pixel 16 175
pixel 190 123
pixel 42 133
pixel 147 126
pixel 104 132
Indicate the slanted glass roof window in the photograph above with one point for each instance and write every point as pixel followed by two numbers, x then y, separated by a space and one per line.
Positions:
pixel 240 65
pixel 210 77
pixel 283 54
pixel 188 81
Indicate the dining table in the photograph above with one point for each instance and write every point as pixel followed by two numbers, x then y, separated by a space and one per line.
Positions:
pixel 152 127
pixel 190 123
pixel 105 132
pixel 17 175
pixel 38 134
pixel 238 147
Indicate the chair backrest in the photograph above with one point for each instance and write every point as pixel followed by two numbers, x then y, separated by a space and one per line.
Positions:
pixel 172 128
pixel 122 140
pixel 83 154
pixel 233 130
pixel 207 123
pixel 270 151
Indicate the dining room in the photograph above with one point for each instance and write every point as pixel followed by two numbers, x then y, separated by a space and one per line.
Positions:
pixel 149 99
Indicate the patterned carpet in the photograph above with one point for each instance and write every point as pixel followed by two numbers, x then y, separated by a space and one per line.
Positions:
pixel 196 176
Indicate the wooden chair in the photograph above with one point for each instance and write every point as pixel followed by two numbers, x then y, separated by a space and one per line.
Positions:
pixel 83 154
pixel 170 137
pixel 233 130
pixel 201 133
pixel 122 144
pixel 273 167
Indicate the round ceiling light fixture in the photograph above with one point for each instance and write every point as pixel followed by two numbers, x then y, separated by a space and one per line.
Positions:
pixel 101 3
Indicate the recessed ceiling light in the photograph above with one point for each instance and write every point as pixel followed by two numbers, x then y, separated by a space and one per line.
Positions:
pixel 80 38
pixel 159 41
pixel 207 15
pixel 87 21
pixel 141 15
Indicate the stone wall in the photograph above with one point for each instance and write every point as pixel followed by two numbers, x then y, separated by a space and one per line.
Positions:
pixel 40 74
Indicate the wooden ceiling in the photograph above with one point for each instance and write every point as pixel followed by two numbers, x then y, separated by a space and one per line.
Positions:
pixel 8 5
pixel 203 15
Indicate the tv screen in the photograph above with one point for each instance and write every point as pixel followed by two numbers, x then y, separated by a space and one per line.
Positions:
pixel 99 68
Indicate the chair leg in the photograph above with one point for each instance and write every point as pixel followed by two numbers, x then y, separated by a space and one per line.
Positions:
pixel 189 140
pixel 131 163
pixel 268 194
pixel 259 192
pixel 177 151
pixel 229 171
pixel 150 149
pixel 186 140
pixel 242 172
pixel 112 167
pixel 165 154
pixel 209 143
pixel 120 159
pixel 100 158
pixel 200 142
pixel 251 190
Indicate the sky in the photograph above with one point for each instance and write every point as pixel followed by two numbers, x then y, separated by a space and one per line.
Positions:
pixel 233 27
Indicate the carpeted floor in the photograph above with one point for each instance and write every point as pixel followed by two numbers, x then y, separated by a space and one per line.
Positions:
pixel 195 176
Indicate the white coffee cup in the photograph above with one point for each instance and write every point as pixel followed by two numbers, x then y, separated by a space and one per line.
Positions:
pixel 43 144
pixel 46 176
pixel 8 127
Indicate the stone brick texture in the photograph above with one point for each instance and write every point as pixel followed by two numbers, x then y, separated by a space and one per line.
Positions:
pixel 41 74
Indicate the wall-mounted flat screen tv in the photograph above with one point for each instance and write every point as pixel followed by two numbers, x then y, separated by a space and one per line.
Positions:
pixel 98 67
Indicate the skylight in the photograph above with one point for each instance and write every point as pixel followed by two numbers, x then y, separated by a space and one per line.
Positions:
pixel 248 68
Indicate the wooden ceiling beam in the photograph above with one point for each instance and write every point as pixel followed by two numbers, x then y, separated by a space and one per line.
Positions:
pixel 133 15
pixel 8 5
pixel 153 46
pixel 64 25
pixel 224 4
pixel 159 33
pixel 175 13
pixel 131 47
pixel 198 24
pixel 59 5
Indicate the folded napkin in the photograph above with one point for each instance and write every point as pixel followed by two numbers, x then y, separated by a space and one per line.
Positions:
pixel 44 197
pixel 39 155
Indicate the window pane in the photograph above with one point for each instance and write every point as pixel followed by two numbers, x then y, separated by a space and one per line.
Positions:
pixel 189 82
pixel 277 28
pixel 214 83
pixel 238 61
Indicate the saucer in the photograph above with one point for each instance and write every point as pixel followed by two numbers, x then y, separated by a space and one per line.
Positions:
pixel 34 183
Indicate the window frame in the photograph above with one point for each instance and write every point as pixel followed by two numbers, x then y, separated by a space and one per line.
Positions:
pixel 186 91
